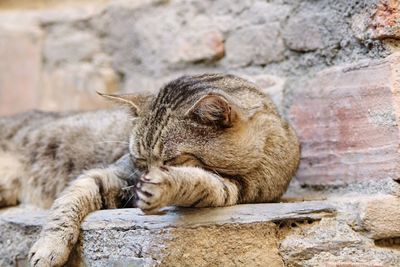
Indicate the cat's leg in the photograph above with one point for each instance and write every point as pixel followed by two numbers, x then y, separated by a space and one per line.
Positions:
pixel 185 186
pixel 95 189
pixel 10 172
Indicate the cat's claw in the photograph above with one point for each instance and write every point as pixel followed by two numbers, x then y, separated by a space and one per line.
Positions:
pixel 48 252
pixel 154 191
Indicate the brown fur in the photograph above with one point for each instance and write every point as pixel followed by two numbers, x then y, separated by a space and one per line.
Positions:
pixel 203 141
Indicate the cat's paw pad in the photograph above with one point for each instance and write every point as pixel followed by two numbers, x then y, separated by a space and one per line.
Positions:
pixel 48 251
pixel 154 190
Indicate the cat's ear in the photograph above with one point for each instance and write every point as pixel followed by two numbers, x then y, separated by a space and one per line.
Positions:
pixel 134 102
pixel 213 109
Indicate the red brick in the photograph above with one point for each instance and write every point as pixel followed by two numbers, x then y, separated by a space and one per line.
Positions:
pixel 20 67
pixel 347 120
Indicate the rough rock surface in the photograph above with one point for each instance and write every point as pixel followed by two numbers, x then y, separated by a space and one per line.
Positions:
pixel 240 235
pixel 385 20
pixel 147 42
pixel 240 45
pixel 345 231
pixel 344 240
pixel 381 217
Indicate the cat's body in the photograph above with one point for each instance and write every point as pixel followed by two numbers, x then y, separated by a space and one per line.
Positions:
pixel 203 141
pixel 53 149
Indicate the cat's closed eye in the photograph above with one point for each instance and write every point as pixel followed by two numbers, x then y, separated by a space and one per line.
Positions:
pixel 185 159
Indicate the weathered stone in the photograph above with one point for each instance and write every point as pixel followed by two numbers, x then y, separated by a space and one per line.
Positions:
pixel 351 264
pixel 303 31
pixel 258 45
pixel 381 217
pixel 238 235
pixel 18 230
pixel 385 22
pixel 78 84
pixel 328 235
pixel 299 191
pixel 206 45
pixel 347 121
pixel 261 12
pixel 45 4
pixel 227 245
pixel 361 256
pixel 70 14
pixel 138 41
pixel 331 243
pixel 249 213
pixel 359 25
pixel 65 45
pixel 20 67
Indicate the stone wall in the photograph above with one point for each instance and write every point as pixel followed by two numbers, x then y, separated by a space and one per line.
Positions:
pixel 129 46
pixel 56 58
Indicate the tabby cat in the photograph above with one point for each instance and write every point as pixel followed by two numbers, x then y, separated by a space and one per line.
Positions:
pixel 203 141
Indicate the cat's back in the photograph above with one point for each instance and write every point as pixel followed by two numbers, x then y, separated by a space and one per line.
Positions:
pixel 101 133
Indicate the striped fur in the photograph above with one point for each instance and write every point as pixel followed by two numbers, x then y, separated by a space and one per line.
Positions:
pixel 202 141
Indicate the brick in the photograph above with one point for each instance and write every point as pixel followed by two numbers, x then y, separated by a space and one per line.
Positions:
pixel 258 45
pixel 64 45
pixel 20 67
pixel 304 31
pixel 380 217
pixel 347 120
pixel 385 22
pixel 195 46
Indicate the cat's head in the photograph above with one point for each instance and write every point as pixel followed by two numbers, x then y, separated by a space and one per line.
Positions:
pixel 205 121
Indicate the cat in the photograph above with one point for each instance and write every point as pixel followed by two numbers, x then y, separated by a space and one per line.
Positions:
pixel 206 140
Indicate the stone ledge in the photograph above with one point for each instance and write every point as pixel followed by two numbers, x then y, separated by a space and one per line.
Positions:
pixel 192 218
pixel 180 236
pixel 339 230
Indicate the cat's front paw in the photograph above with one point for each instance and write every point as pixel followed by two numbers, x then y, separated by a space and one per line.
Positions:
pixel 48 251
pixel 154 190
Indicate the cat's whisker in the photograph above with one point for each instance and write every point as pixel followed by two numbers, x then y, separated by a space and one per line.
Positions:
pixel 219 175
pixel 127 187
pixel 130 176
pixel 129 199
pixel 133 173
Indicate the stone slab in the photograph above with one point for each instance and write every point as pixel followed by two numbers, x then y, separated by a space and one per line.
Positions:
pixel 347 119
